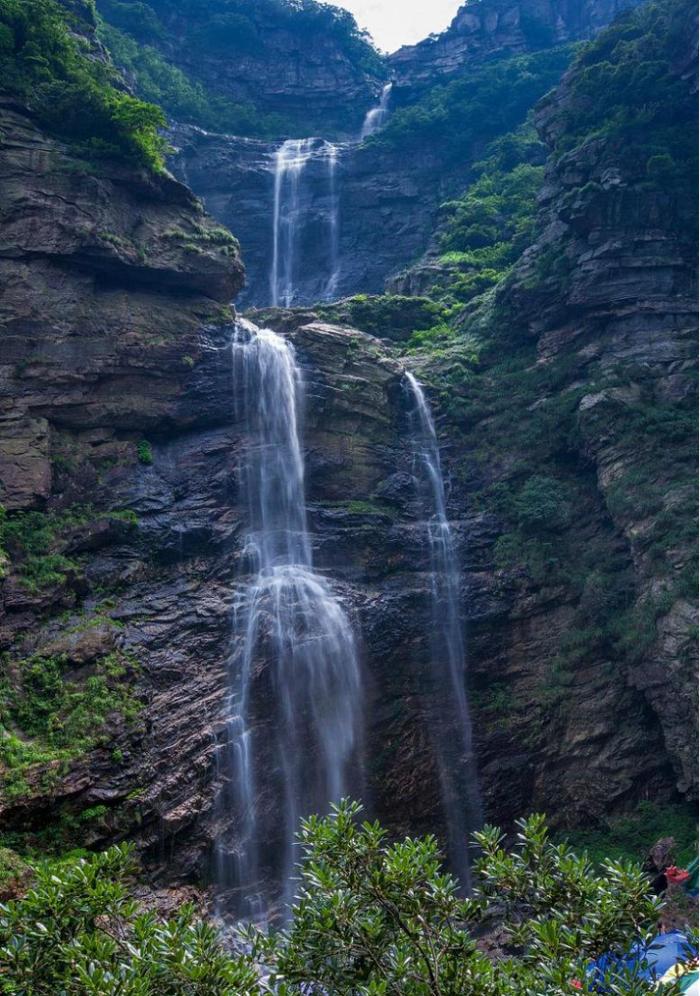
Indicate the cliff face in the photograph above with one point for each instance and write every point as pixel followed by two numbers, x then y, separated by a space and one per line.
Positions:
pixel 564 402
pixel 450 97
pixel 622 311
pixel 114 286
pixel 300 69
pixel 385 208
pixel 582 444
pixel 485 29
pixel 120 474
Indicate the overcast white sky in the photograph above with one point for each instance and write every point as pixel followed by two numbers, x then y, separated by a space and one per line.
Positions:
pixel 393 23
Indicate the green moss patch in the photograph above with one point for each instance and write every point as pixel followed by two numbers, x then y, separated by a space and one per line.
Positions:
pixel 51 714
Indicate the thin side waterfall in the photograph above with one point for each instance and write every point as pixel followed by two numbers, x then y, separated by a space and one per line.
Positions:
pixel 452 732
pixel 376 116
pixel 333 225
pixel 293 748
pixel 290 215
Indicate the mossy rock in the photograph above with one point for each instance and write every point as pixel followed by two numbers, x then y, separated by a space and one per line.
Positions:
pixel 15 874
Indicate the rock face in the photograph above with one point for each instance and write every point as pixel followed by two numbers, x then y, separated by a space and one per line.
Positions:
pixel 622 309
pixel 484 29
pixel 113 313
pixel 120 472
pixel 119 434
pixel 115 334
pixel 308 69
pixel 386 208
pixel 599 320
pixel 387 192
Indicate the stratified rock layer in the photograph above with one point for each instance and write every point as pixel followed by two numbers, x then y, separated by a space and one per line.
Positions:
pixel 487 28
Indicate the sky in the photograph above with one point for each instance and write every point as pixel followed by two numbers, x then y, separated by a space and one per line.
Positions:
pixel 393 23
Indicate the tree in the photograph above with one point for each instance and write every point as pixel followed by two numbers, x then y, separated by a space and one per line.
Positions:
pixel 372 918
pixel 77 932
pixel 375 918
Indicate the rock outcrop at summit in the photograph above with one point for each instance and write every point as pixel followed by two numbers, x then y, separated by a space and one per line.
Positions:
pixel 486 29
pixel 292 69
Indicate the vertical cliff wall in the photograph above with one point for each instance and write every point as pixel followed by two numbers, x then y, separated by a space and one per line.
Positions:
pixel 564 404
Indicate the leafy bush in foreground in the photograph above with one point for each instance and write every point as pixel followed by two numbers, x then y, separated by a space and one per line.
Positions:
pixel 372 918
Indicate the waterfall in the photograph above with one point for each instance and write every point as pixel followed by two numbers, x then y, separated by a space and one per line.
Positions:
pixel 333 225
pixel 290 217
pixel 451 730
pixel 376 117
pixel 296 208
pixel 296 752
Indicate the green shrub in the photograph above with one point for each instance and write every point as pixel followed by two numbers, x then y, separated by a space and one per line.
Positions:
pixel 379 917
pixel 12 867
pixel 139 19
pixel 185 99
pixel 31 540
pixel 45 65
pixel 371 918
pixel 483 102
pixel 47 717
pixel 387 316
pixel 144 452
pixel 630 837
pixel 625 87
pixel 77 931
pixel 168 47
pixel 541 505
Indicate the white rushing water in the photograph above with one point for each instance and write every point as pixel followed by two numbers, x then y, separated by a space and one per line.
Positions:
pixel 292 638
pixel 333 225
pixel 291 215
pixel 452 734
pixel 376 117
pixel 306 213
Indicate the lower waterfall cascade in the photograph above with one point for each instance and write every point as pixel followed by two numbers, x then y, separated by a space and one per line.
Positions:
pixel 292 637
pixel 289 631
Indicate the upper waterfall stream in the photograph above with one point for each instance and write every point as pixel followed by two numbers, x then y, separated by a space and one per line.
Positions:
pixel 292 218
pixel 306 209
pixel 291 636
pixel 376 116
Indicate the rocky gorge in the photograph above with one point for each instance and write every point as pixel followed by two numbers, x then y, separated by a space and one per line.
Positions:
pixel 562 401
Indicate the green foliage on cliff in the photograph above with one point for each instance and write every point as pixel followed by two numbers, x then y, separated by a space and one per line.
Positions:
pixel 485 101
pixel 51 713
pixel 50 68
pixel 626 90
pixel 482 233
pixel 77 932
pixel 178 53
pixel 631 836
pixel 371 917
pixel 181 97
pixel 34 544
pixel 389 316
pixel 30 542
